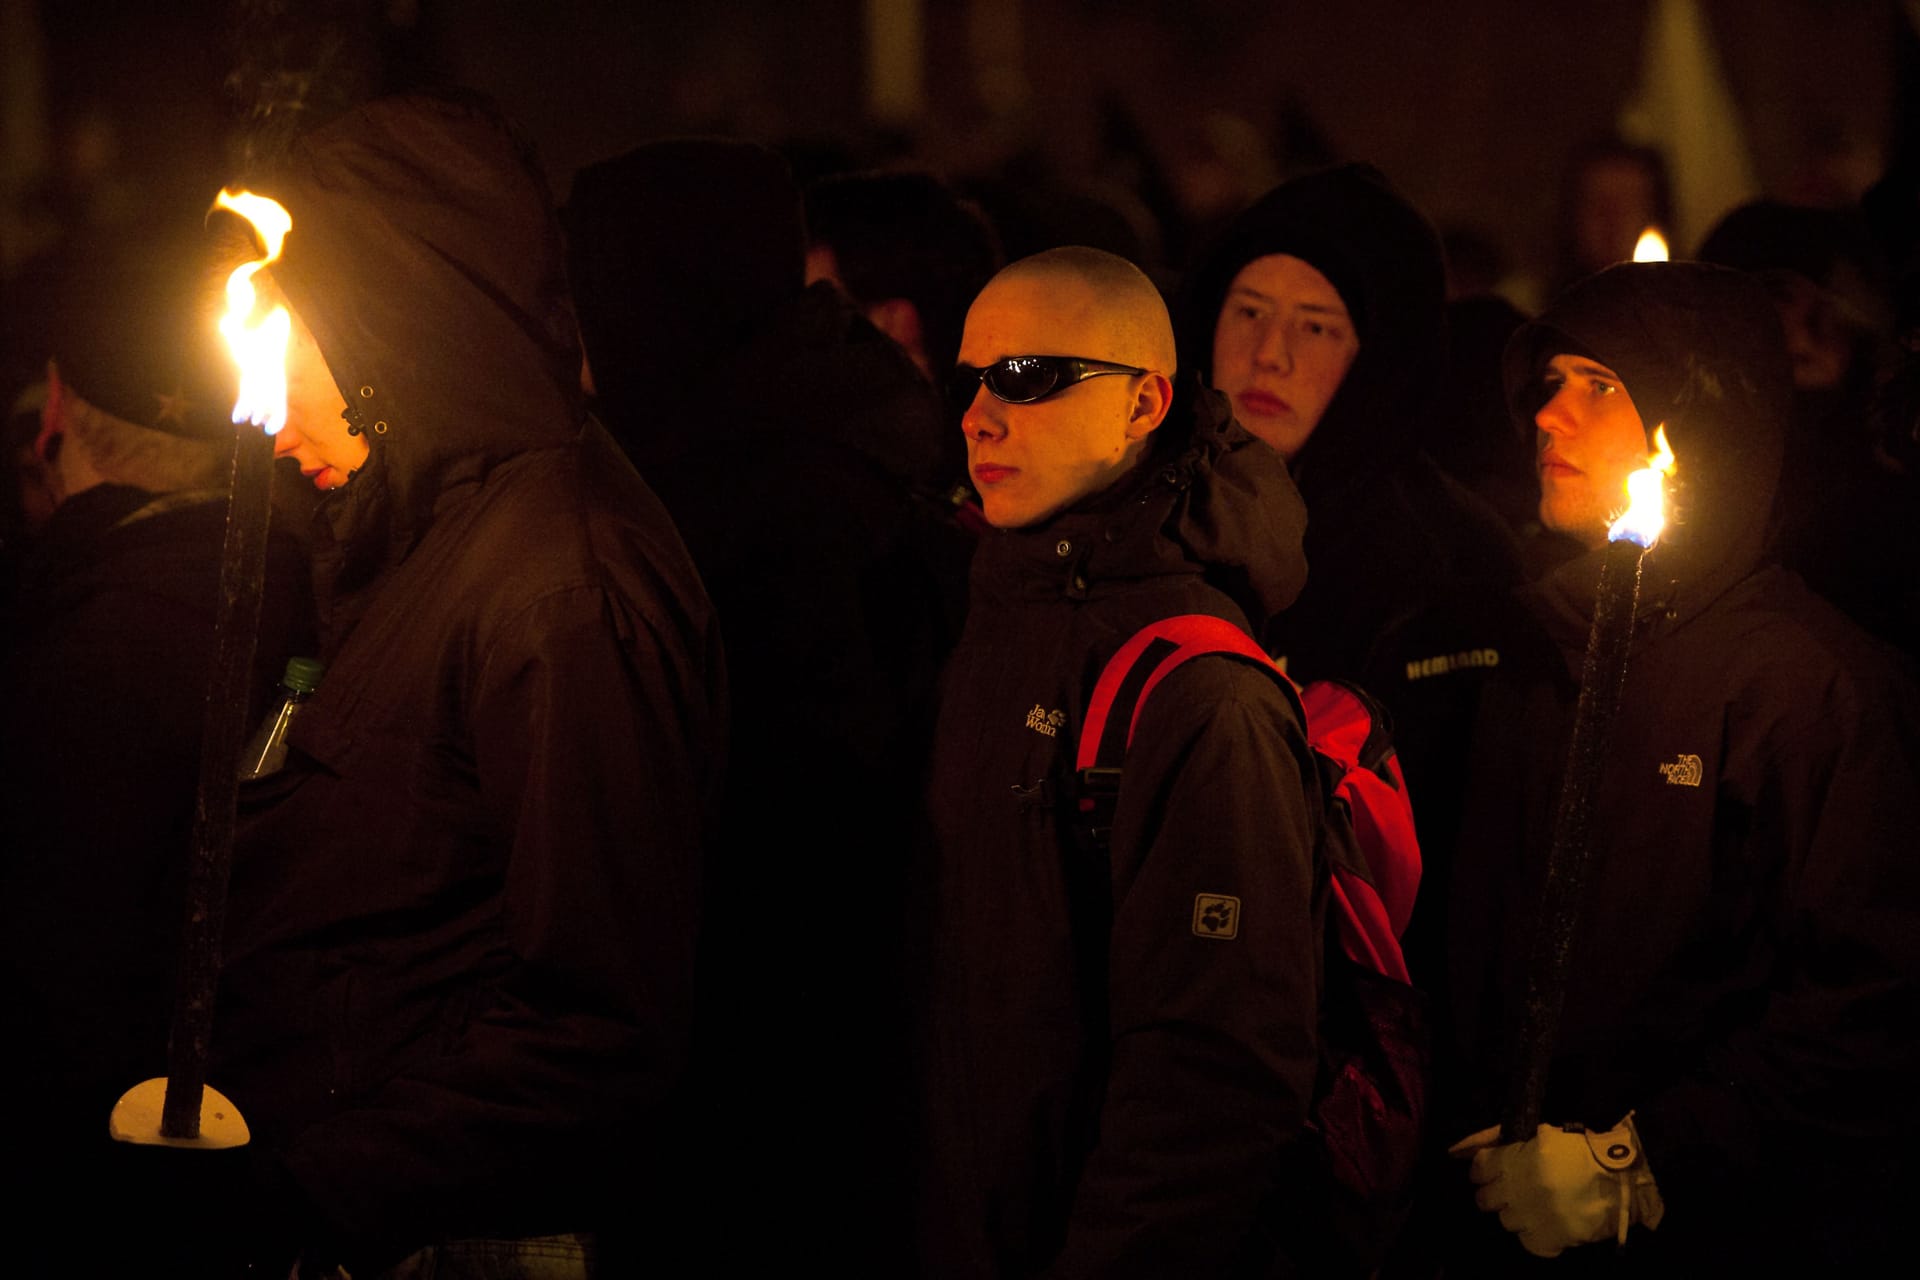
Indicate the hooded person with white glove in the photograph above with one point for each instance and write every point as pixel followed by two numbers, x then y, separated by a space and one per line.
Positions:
pixel 1735 1059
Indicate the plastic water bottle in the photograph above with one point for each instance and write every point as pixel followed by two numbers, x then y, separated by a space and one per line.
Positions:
pixel 268 751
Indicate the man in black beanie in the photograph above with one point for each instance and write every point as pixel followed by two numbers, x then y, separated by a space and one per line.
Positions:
pixel 1735 1062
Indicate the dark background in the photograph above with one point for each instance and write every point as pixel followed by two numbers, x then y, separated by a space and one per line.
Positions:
pixel 1471 107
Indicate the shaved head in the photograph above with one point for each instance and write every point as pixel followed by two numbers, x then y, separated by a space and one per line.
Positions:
pixel 1033 458
pixel 1112 311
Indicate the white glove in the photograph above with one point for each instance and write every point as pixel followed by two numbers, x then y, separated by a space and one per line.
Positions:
pixel 1564 1186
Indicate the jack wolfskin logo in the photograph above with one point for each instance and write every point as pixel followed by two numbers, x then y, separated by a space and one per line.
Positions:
pixel 1215 915
pixel 1683 772
pixel 1041 720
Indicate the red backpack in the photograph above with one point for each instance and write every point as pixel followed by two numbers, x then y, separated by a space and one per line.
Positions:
pixel 1370 1098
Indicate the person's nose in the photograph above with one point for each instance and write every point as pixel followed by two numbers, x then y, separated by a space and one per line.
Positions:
pixel 1556 417
pixel 983 420
pixel 1272 350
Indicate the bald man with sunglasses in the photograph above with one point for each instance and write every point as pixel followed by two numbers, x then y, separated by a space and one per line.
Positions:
pixel 1120 1027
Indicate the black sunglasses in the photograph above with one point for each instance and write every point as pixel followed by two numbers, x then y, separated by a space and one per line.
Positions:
pixel 1025 379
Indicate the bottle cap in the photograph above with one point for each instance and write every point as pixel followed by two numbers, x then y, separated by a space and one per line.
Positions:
pixel 303 674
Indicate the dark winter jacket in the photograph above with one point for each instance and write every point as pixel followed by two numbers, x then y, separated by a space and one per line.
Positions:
pixel 1110 1091
pixel 459 967
pixel 1745 966
pixel 108 650
pixel 107 655
pixel 796 447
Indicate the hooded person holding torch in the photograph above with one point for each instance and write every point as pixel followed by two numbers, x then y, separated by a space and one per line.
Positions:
pixel 1733 1075
pixel 460 933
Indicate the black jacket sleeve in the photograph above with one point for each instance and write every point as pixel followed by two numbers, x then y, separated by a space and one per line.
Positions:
pixel 1214 968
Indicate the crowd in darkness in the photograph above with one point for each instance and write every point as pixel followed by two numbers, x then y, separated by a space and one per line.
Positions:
pixel 681 866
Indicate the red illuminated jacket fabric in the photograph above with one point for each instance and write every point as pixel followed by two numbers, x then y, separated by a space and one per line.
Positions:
pixel 1111 1088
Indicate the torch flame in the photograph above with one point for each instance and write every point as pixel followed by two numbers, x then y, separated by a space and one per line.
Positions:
pixel 1650 247
pixel 259 348
pixel 1646 513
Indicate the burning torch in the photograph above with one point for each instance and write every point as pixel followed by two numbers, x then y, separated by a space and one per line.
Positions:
pixel 1603 675
pixel 181 1109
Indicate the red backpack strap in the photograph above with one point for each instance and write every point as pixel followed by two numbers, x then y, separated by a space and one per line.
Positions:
pixel 1372 898
pixel 1372 903
pixel 1142 663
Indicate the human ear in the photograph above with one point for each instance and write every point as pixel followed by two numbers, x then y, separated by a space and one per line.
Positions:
pixel 1150 404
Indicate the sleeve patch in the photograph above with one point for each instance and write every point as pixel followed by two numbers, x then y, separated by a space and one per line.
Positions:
pixel 1216 915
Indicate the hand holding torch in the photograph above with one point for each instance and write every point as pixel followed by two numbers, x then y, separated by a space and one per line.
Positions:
pixel 1603 676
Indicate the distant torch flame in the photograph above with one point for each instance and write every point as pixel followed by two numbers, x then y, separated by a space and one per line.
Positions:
pixel 1650 247
pixel 1646 514
pixel 258 347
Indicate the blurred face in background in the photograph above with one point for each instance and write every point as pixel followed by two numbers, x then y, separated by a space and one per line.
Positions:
pixel 1616 198
pixel 1818 341
pixel 1281 347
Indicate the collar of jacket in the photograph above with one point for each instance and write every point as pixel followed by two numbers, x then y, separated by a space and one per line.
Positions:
pixel 1563 601
pixel 1089 547
pixel 1209 500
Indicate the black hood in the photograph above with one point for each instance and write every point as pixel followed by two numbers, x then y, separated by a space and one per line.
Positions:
pixel 815 364
pixel 1700 349
pixel 1235 507
pixel 1828 247
pixel 1385 260
pixel 425 259
pixel 679 250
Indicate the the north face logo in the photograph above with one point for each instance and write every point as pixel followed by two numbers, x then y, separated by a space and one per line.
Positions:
pixel 1041 720
pixel 1685 771
pixel 1216 915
